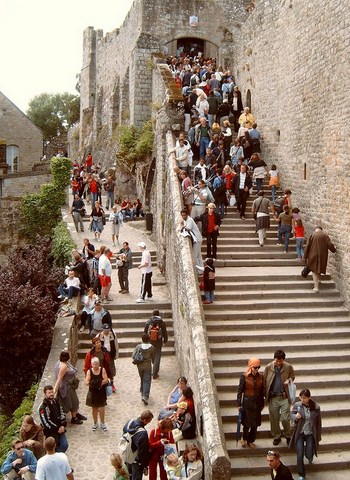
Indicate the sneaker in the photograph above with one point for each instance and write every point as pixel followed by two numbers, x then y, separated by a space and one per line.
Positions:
pixel 121 291
pixel 76 420
pixel 315 290
pixel 279 244
pixel 82 328
pixel 276 441
pixel 109 299
pixel 104 427
pixel 145 401
pixel 206 302
pixel 94 427
pixel 140 300
pixel 149 299
pixel 125 291
pixel 242 217
pixel 104 301
pixel 81 417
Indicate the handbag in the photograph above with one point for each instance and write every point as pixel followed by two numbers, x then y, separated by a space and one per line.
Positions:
pixel 109 388
pixel 233 200
pixel 138 358
pixel 292 390
pixel 75 383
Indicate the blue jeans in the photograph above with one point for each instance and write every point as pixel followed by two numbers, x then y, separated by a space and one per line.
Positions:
pixel 126 212
pixel 93 198
pixel 273 192
pixel 203 145
pixel 309 451
pixel 259 183
pixel 109 199
pixel 62 443
pixel 299 245
pixel 286 231
pixel 209 295
pixel 146 379
pixel 68 292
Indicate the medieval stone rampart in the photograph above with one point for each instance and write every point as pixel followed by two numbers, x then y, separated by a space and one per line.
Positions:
pixel 295 61
pixel 174 252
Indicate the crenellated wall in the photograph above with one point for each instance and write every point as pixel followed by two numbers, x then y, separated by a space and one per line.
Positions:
pixel 295 61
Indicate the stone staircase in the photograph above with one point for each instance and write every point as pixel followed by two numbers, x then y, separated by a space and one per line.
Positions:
pixel 128 319
pixel 262 304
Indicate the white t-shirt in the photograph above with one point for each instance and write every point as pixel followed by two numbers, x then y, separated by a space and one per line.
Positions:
pixel 104 264
pixel 146 258
pixel 53 467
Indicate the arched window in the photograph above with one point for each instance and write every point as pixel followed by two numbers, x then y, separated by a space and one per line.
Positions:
pixel 12 158
pixel 248 102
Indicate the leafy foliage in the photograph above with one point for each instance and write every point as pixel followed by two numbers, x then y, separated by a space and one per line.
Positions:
pixel 41 211
pixel 28 306
pixel 54 113
pixel 134 145
pixel 62 245
pixel 10 426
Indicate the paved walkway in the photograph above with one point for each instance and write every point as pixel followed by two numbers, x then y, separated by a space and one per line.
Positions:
pixel 89 451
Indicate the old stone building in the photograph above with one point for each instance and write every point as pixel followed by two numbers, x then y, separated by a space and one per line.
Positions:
pixel 23 139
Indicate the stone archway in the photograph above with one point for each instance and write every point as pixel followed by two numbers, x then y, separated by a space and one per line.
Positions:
pixel 191 46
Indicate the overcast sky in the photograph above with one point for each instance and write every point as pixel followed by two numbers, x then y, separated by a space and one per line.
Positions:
pixel 41 43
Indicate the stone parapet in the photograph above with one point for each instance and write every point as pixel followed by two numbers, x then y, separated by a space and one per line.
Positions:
pixel 65 337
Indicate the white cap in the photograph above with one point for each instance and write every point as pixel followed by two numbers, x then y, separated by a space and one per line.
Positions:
pixel 141 244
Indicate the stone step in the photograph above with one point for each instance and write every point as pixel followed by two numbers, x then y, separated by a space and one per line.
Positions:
pixel 235 276
pixel 138 309
pixel 222 357
pixel 279 261
pixel 217 311
pixel 223 294
pixel 223 283
pixel 266 302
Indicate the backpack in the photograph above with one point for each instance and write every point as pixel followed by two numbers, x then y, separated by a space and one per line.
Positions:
pixel 219 189
pixel 125 446
pixel 155 331
pixel 278 204
pixel 138 357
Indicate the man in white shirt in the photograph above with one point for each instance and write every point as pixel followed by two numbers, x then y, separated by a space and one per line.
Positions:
pixel 70 288
pixel 105 275
pixel 189 228
pixel 146 269
pixel 53 465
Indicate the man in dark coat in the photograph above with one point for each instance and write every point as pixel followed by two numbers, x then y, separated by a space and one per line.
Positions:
pixel 241 184
pixel 278 471
pixel 316 255
pixel 155 327
pixel 211 221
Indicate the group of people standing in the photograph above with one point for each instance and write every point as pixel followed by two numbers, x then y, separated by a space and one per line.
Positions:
pixel 301 421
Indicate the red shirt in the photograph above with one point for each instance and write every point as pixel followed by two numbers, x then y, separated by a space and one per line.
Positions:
pixel 211 222
pixel 93 186
pixel 89 160
pixel 299 231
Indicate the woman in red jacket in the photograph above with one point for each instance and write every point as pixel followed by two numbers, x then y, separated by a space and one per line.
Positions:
pixel 158 438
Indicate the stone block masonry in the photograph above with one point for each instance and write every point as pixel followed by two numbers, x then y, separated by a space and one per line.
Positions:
pixel 295 61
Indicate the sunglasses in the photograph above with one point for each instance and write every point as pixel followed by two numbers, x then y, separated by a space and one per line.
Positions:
pixel 257 368
pixel 19 448
pixel 271 452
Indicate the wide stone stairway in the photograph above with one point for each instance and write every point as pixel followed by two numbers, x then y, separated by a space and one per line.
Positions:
pixel 129 318
pixel 263 304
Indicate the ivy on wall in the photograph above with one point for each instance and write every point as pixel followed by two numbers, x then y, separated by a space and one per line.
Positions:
pixel 134 145
pixel 41 211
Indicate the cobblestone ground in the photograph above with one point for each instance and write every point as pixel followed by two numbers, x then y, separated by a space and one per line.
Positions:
pixel 89 451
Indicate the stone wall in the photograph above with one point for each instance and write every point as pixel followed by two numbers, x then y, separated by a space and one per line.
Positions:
pixel 65 337
pixel 18 130
pixel 295 60
pixel 19 184
pixel 174 252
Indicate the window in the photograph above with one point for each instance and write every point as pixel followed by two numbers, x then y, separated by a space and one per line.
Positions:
pixel 12 158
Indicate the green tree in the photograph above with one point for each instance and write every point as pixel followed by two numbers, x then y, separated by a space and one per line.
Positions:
pixel 55 113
